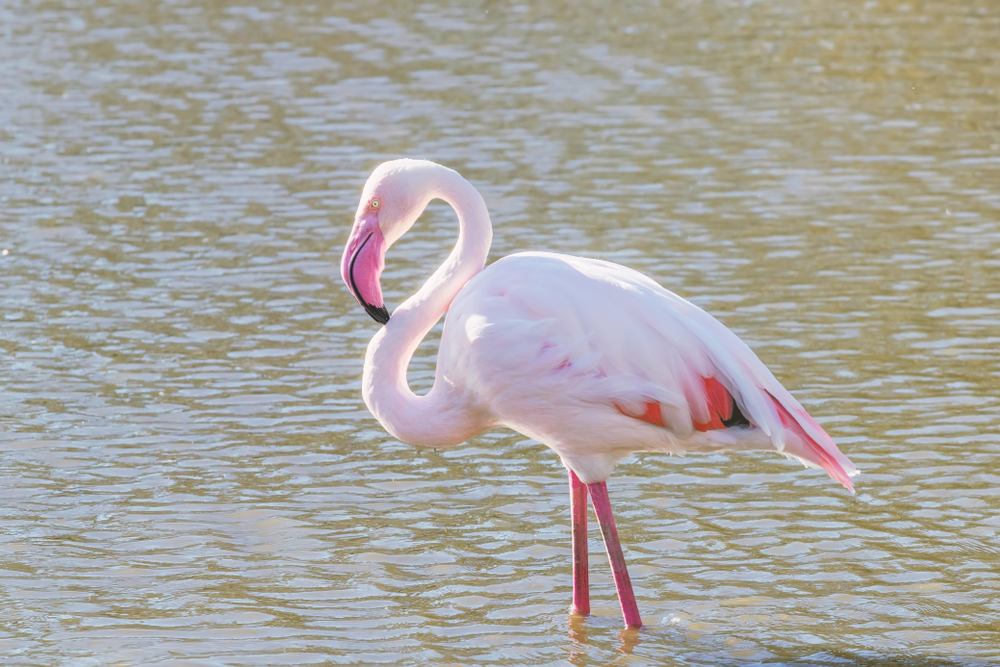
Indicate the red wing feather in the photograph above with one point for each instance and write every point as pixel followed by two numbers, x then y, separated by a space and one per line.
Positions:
pixel 719 400
pixel 720 407
pixel 653 413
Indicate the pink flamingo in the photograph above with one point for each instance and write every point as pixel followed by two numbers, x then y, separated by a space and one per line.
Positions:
pixel 590 358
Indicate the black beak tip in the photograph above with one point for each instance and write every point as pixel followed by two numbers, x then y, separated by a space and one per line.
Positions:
pixel 380 314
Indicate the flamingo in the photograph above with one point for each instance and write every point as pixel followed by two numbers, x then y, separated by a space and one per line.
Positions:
pixel 592 359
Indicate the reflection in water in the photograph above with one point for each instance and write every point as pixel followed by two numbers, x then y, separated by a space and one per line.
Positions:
pixel 579 647
pixel 630 638
pixel 581 650
pixel 187 467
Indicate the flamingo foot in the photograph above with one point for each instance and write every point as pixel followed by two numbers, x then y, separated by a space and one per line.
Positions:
pixel 602 507
pixel 581 572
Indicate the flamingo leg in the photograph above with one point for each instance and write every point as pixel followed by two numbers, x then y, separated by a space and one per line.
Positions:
pixel 581 570
pixel 602 507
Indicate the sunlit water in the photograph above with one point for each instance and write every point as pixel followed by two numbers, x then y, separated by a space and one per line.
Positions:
pixel 189 475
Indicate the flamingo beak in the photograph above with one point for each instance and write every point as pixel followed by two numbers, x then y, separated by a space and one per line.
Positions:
pixel 362 264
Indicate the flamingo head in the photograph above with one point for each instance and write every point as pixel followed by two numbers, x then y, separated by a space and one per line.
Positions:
pixel 394 197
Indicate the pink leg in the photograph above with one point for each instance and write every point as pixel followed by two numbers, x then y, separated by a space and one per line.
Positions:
pixel 581 572
pixel 602 507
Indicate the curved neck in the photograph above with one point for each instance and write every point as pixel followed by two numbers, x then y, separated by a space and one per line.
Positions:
pixel 440 417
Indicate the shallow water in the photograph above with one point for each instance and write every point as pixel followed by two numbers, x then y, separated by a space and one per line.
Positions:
pixel 189 475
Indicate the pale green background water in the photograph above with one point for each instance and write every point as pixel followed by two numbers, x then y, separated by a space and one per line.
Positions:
pixel 188 475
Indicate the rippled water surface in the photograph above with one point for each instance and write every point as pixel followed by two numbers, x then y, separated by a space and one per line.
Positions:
pixel 188 474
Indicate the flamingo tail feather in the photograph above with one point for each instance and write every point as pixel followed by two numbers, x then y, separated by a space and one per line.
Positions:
pixel 815 452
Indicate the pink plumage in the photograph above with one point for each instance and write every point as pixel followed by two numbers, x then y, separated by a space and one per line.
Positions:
pixel 590 358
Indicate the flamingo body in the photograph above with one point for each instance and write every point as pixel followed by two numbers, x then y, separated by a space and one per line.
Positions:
pixel 590 358
pixel 597 361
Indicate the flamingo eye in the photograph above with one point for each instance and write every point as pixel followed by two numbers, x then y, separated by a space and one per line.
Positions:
pixel 375 203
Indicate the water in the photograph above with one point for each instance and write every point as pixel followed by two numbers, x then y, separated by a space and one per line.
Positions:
pixel 189 475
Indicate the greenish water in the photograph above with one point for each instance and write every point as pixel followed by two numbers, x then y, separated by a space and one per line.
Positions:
pixel 188 475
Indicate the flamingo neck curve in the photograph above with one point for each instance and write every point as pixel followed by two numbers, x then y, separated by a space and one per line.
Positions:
pixel 441 417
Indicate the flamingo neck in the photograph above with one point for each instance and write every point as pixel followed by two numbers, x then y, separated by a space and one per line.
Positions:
pixel 441 417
